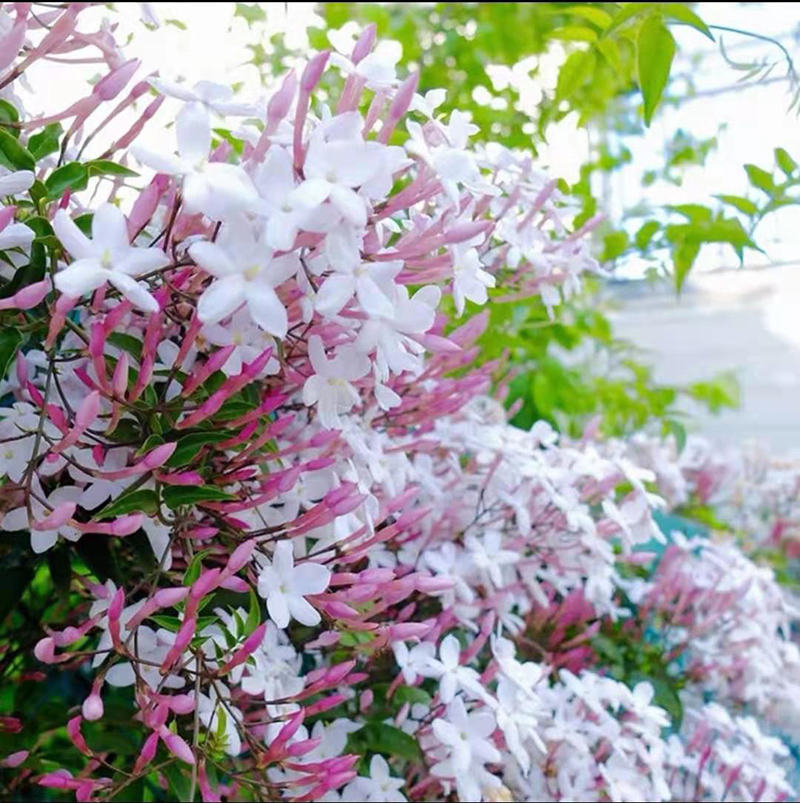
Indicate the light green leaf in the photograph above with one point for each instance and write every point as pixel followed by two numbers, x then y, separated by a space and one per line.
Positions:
pixel 682 13
pixel 574 72
pixel 655 49
pixel 180 495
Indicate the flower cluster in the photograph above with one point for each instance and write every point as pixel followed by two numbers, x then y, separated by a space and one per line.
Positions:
pixel 301 538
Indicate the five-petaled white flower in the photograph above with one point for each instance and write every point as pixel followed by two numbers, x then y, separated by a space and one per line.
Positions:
pixel 245 273
pixel 450 674
pixel 285 586
pixel 217 189
pixel 329 388
pixel 107 257
pixel 379 787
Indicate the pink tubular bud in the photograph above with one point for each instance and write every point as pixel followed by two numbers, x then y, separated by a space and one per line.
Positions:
pixel 60 516
pixel 181 703
pixel 124 525
pixel 182 641
pixel 167 597
pixel 409 630
pixel 147 754
pixel 76 737
pixel 112 84
pixel 64 305
pixel 400 105
pixel 251 644
pixel 180 478
pixel 364 44
pixel 119 381
pixel 366 700
pixel 466 231
pixel 280 103
pixel 156 458
pixel 28 297
pixel 313 71
pixel 235 584
pixel 176 745
pixel 240 557
pixel 204 584
pixel 341 611
pixel 207 794
pixel 430 585
pixel 298 749
pixel 325 704
pixel 15 759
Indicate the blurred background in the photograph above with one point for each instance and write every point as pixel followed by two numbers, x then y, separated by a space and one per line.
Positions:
pixel 700 309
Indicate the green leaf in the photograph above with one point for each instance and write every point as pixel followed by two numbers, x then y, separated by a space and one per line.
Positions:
pixel 250 12
pixel 684 254
pixel 180 786
pixel 655 49
pixel 614 245
pixel 181 26
pixel 195 567
pixel 628 13
pixel 140 500
pixel 46 141
pixel 598 17
pixel 15 581
pixel 377 737
pixel 105 167
pixel 253 613
pixel 73 176
pixel 189 446
pixel 10 341
pixel 412 694
pixel 95 550
pixel 678 431
pixel 744 205
pixel 575 33
pixel 179 495
pixel 9 114
pixel 127 342
pixel 13 155
pixel 58 561
pixel 785 162
pixel 760 179
pixel 646 233
pixel 574 72
pixel 682 13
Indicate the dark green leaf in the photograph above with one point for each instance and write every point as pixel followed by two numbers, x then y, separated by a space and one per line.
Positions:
pixel 15 581
pixel 95 550
pixel 189 445
pixel 141 500
pixel 73 176
pixel 9 114
pixel 105 167
pixel 13 155
pixel 377 737
pixel 60 569
pixel 253 614
pixel 46 141
pixel 10 341
pixel 178 495
pixel 655 49
pixel 195 567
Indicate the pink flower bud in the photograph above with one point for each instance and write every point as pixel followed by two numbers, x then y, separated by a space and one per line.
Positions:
pixel 204 584
pixel 181 703
pixel 182 641
pixel 60 516
pixel 430 585
pixel 240 556
pixel 409 630
pixel 167 597
pixel 313 71
pixel 158 456
pixel 28 297
pixel 366 700
pixel 364 44
pixel 45 650
pixel 93 707
pixel 119 381
pixel 75 735
pixel 280 103
pixel 251 644
pixel 147 754
pixel 112 84
pixel 15 759
pixel 176 745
